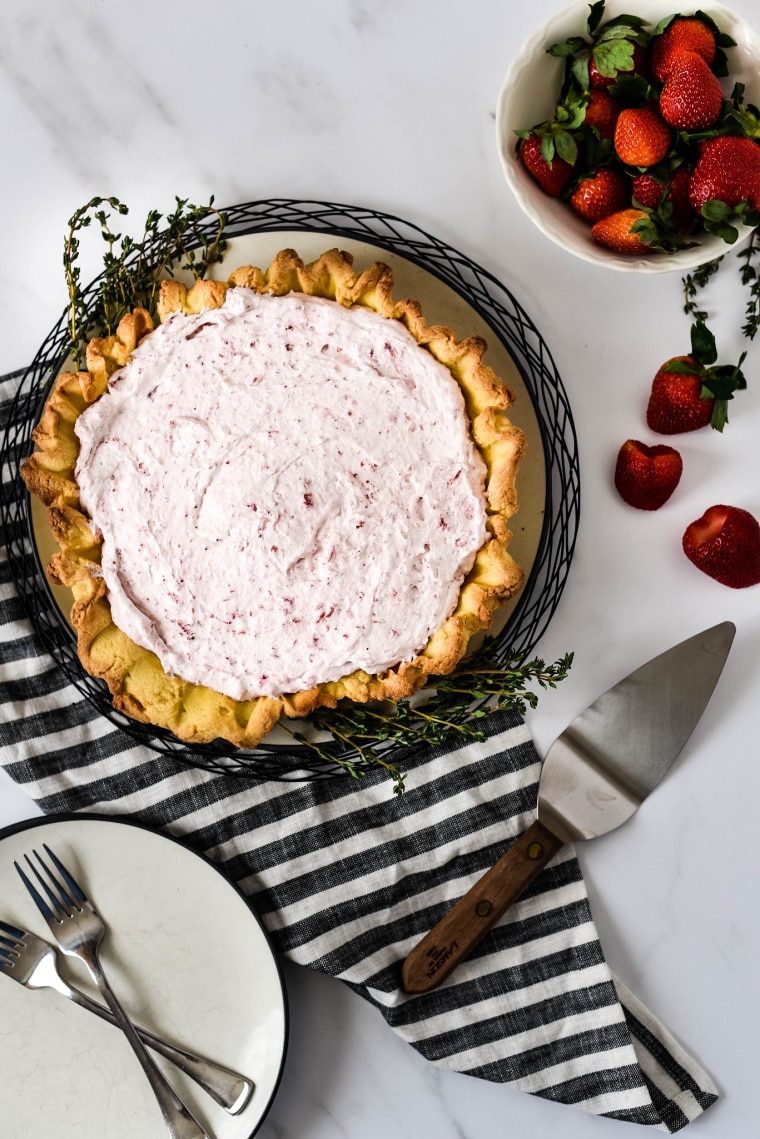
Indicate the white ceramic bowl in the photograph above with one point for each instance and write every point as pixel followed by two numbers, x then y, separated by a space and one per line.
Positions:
pixel 529 95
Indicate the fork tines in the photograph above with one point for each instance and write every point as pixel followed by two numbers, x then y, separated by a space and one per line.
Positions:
pixel 10 931
pixel 10 936
pixel 71 895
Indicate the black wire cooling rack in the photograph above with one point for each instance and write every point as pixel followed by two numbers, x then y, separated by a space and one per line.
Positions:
pixel 509 322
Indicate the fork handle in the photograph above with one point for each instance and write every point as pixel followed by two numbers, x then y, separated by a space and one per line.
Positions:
pixel 227 1088
pixel 180 1123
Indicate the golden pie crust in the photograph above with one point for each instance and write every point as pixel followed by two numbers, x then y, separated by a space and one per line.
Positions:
pixel 139 686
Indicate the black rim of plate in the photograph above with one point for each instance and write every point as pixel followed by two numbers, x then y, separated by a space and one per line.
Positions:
pixel 493 302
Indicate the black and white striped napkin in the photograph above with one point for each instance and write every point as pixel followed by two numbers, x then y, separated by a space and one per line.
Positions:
pixel 347 877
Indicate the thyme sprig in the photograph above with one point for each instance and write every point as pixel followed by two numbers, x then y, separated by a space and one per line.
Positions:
pixel 727 378
pixel 693 282
pixel 749 278
pixel 453 709
pixel 133 269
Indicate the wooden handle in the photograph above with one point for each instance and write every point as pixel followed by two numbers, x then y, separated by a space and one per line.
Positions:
pixel 470 919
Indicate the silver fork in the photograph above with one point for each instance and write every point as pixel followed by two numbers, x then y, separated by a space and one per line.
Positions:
pixel 32 961
pixel 79 931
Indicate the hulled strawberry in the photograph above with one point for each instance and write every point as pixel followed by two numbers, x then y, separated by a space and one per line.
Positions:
pixel 684 33
pixel 725 544
pixel 727 170
pixel 552 174
pixel 645 477
pixel 641 137
pixel 602 112
pixel 690 392
pixel 600 195
pixel 691 97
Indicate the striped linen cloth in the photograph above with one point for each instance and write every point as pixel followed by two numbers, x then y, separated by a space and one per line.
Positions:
pixel 347 877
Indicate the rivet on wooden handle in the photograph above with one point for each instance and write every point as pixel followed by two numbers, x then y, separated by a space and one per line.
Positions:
pixel 469 920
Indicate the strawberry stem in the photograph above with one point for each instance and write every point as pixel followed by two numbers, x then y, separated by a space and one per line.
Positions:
pixel 719 417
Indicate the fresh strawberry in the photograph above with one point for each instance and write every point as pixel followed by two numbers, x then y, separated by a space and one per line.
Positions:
pixel 684 33
pixel 648 191
pixel 602 112
pixel 675 402
pixel 725 544
pixel 683 211
pixel 646 477
pixel 653 194
pixel 688 392
pixel 600 195
pixel 728 169
pixel 552 176
pixel 641 137
pixel 601 75
pixel 691 97
pixel 615 231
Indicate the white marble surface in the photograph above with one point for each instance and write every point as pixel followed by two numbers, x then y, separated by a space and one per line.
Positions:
pixel 390 104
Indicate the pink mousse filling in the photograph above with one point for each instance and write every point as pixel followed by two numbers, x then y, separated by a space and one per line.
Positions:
pixel 287 492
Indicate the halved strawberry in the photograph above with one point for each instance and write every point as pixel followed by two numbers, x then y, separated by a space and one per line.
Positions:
pixel 684 33
pixel 725 544
pixel 552 176
pixel 646 477
pixel 691 97
pixel 600 195
pixel 641 137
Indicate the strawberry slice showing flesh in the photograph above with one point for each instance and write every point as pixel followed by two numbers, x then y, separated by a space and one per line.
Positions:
pixel 725 544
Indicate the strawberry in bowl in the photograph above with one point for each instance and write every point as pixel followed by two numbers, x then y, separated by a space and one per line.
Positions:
pixel 658 104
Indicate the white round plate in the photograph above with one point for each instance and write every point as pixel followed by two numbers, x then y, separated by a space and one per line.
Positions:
pixel 186 955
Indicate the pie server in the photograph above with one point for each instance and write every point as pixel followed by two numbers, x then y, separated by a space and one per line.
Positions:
pixel 595 775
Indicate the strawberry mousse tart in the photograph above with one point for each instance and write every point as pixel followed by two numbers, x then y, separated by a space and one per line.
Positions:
pixel 289 492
